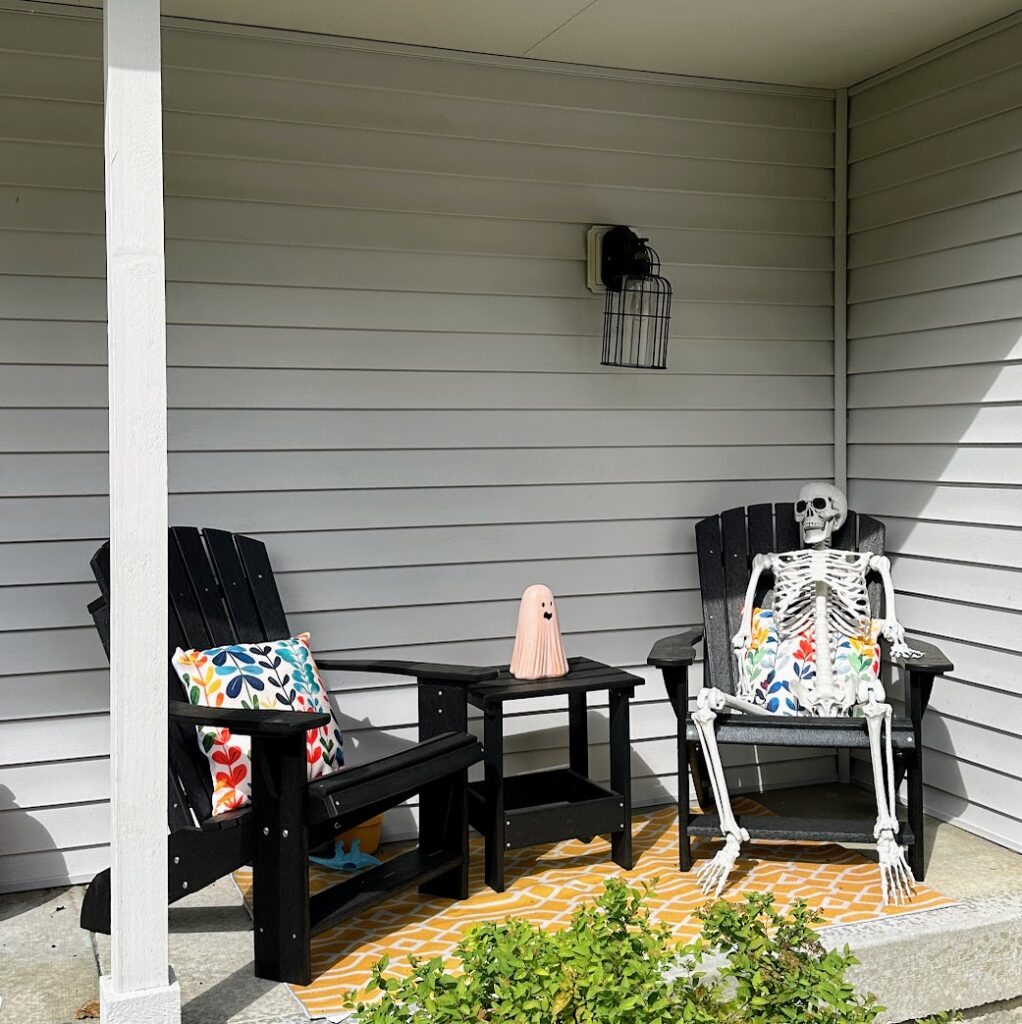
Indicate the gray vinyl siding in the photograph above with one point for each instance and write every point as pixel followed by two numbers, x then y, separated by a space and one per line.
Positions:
pixel 383 361
pixel 935 397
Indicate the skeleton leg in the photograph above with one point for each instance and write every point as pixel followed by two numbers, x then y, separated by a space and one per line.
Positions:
pixel 713 875
pixel 896 881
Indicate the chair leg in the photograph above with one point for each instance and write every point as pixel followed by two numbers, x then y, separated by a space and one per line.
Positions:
pixel 280 860
pixel 916 818
pixel 700 778
pixel 918 689
pixel 195 859
pixel 684 806
pixel 443 825
pixel 95 916
pixel 621 776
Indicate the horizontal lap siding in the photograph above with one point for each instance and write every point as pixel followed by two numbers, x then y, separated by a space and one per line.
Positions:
pixel 935 396
pixel 384 362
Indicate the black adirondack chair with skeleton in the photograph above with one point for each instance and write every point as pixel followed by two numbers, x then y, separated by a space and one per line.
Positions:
pixel 726 545
pixel 222 591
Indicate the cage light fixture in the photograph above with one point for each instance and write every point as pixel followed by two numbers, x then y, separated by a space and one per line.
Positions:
pixel 637 309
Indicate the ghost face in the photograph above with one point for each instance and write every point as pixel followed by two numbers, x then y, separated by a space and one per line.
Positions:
pixel 538 653
pixel 821 509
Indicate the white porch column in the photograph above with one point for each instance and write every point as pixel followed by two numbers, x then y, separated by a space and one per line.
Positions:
pixel 139 988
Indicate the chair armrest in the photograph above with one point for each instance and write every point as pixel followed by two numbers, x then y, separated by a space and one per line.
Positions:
pixel 932 663
pixel 425 671
pixel 675 651
pixel 246 722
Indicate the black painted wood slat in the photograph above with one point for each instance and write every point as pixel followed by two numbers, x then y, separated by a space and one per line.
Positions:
pixel 734 539
pixel 100 565
pixel 100 612
pixel 872 538
pixel 234 587
pixel 761 542
pixel 584 675
pixel 193 592
pixel 759 730
pixel 188 630
pixel 717 659
pixel 761 530
pixel 367 888
pixel 767 826
pixel 263 587
pixel 332 796
pixel 846 537
pixel 178 815
pixel 786 531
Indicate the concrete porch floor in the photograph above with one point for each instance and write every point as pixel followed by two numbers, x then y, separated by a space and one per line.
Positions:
pixel 49 968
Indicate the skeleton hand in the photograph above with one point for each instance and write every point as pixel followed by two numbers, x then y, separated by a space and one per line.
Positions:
pixel 741 641
pixel 894 633
pixel 713 875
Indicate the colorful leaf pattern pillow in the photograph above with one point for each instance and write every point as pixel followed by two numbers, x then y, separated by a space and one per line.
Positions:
pixel 773 666
pixel 276 674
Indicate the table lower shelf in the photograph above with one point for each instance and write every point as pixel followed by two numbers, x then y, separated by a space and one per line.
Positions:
pixel 547 806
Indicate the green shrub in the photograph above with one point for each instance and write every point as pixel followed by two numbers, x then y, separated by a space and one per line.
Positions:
pixel 613 965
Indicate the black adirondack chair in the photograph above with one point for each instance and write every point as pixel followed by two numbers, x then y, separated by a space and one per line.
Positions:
pixel 222 590
pixel 725 546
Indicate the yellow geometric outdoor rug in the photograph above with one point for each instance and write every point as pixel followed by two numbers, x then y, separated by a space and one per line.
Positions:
pixel 547 883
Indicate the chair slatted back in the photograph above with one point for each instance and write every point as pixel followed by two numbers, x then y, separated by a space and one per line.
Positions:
pixel 725 547
pixel 221 591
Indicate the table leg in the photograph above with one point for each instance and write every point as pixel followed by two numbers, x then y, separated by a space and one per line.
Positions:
pixel 621 776
pixel 496 842
pixel 578 734
pixel 578 740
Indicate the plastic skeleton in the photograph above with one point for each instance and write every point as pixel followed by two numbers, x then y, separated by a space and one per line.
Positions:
pixel 821 590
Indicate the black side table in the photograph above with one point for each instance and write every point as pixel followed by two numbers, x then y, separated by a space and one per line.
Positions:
pixel 560 803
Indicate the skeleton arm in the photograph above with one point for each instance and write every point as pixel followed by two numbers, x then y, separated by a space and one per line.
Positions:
pixel 893 632
pixel 740 641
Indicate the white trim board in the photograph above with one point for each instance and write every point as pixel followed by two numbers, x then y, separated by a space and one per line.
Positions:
pixel 841 289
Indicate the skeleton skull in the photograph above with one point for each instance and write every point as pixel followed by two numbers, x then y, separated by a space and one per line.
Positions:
pixel 821 508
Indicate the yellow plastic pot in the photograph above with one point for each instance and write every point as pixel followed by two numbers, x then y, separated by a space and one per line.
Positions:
pixel 368 835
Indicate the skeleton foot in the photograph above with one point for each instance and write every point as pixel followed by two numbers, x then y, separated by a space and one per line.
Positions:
pixel 896 880
pixel 713 875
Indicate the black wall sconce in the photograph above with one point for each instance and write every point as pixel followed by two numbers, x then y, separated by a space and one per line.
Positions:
pixel 637 309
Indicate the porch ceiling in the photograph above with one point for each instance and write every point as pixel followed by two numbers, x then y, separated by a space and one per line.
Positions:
pixel 829 43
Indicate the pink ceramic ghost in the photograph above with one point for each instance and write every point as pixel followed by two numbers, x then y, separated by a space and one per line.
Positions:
pixel 538 653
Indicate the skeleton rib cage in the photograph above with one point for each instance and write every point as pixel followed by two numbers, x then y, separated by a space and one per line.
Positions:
pixel 795 573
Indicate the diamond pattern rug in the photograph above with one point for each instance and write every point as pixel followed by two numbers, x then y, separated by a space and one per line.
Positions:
pixel 547 883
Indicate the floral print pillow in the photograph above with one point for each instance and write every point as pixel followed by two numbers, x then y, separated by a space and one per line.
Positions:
pixel 275 674
pixel 772 666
